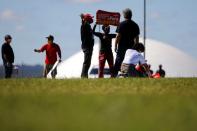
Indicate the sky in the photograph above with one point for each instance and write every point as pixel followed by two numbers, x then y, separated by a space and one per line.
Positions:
pixel 30 21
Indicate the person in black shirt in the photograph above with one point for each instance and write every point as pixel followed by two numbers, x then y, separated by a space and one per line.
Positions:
pixel 128 35
pixel 105 49
pixel 161 72
pixel 87 39
pixel 7 56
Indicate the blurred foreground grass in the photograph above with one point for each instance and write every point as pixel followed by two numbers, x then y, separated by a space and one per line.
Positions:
pixel 98 105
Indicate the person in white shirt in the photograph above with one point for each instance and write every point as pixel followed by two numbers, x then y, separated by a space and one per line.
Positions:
pixel 134 63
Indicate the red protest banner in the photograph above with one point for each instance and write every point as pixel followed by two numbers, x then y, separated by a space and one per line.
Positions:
pixel 107 18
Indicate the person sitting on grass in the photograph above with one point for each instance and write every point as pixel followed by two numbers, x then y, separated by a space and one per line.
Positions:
pixel 134 64
pixel 161 72
pixel 105 49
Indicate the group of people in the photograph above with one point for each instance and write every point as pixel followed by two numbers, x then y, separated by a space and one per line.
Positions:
pixel 127 36
pixel 52 50
pixel 126 44
pixel 129 59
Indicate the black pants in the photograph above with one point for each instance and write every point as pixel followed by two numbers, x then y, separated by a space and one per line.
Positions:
pixel 47 69
pixel 8 70
pixel 87 62
pixel 119 59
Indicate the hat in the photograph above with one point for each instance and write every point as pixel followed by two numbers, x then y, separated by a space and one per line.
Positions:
pixel 50 37
pixel 8 37
pixel 88 17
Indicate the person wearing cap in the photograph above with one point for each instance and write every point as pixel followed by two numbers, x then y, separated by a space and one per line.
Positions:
pixel 52 50
pixel 127 36
pixel 87 40
pixel 105 52
pixel 7 56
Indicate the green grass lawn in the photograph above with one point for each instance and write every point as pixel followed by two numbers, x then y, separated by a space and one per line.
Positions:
pixel 98 105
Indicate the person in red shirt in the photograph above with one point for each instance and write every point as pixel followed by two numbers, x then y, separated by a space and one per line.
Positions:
pixel 51 49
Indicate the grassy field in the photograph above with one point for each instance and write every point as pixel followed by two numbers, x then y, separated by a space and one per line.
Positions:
pixel 98 105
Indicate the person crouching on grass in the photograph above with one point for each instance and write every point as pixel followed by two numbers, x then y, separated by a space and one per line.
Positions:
pixel 134 63
pixel 105 49
pixel 51 49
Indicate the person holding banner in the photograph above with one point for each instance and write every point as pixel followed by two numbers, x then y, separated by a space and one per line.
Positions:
pixel 105 49
pixel 128 35
pixel 87 39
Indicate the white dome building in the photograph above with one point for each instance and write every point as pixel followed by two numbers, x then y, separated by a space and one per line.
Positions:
pixel 175 62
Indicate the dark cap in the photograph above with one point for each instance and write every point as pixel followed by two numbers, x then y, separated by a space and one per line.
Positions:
pixel 7 37
pixel 50 37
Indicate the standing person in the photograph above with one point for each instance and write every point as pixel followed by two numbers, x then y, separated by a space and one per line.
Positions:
pixel 105 49
pixel 128 35
pixel 87 40
pixel 52 49
pixel 7 56
pixel 161 72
